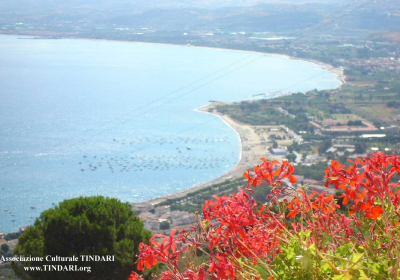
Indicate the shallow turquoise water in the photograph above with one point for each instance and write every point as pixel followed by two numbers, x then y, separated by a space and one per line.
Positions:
pixel 81 117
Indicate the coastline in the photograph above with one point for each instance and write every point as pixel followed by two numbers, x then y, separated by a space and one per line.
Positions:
pixel 246 133
pixel 228 121
pixel 253 147
pixel 236 172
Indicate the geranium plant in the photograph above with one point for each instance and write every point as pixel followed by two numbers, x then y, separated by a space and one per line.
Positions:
pixel 297 234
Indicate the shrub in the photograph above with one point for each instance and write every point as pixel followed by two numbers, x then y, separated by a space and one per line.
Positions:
pixel 165 225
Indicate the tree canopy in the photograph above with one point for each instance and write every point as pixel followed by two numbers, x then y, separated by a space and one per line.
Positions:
pixel 94 226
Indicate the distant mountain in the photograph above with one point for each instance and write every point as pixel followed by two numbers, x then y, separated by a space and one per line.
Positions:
pixel 227 15
pixel 34 6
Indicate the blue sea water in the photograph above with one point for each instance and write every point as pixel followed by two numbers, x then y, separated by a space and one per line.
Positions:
pixel 82 117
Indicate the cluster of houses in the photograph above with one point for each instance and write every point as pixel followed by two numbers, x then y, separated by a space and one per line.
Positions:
pixel 378 63
pixel 154 218
pixel 10 243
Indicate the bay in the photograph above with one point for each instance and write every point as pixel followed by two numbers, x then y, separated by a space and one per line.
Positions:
pixel 85 117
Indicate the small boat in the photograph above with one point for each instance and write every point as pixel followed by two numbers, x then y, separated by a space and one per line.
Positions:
pixel 188 147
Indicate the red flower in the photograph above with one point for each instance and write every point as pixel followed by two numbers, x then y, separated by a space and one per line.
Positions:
pixel 135 276
pixel 238 233
pixel 271 173
pixel 374 212
pixel 367 183
pixel 146 258
pixel 324 203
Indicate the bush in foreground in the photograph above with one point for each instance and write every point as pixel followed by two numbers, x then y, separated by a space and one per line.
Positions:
pixel 83 226
pixel 296 234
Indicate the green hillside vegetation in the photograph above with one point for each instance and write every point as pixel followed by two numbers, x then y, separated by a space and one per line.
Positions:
pixel 193 201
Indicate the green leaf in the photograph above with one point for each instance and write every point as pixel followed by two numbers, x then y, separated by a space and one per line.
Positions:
pixel 326 267
pixel 263 271
pixel 344 250
pixel 363 276
pixel 312 249
pixel 356 257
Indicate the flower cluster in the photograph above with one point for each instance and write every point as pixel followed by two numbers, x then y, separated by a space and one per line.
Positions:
pixel 301 232
pixel 367 183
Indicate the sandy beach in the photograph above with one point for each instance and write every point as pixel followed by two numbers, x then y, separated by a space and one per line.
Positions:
pixel 254 145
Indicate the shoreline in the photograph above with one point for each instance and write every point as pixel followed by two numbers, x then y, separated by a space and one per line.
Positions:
pixel 236 172
pixel 204 110
pixel 246 159
pixel 253 147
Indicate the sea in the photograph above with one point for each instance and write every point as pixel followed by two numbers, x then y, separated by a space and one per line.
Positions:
pixel 95 117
